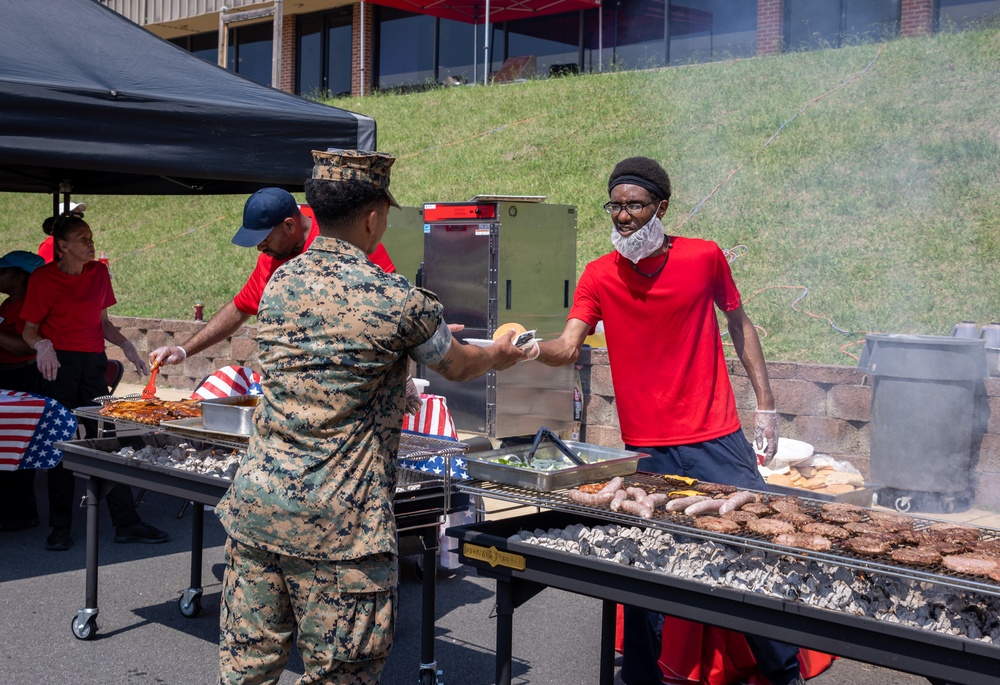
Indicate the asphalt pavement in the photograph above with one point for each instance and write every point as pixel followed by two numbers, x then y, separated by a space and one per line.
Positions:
pixel 143 638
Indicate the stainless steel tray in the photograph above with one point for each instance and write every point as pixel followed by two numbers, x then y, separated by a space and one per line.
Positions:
pixel 861 497
pixel 230 414
pixel 603 463
pixel 194 428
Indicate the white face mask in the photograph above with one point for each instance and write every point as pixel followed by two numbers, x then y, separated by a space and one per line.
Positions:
pixel 640 244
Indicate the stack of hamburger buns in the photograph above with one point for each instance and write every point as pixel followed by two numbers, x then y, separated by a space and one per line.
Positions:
pixel 823 479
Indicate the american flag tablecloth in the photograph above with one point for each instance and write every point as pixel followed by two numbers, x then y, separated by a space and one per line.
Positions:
pixel 29 427
pixel 229 381
pixel 433 418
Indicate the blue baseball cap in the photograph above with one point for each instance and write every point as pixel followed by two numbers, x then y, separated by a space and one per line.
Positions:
pixel 19 259
pixel 264 210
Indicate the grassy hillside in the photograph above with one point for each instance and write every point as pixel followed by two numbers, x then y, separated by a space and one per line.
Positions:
pixel 878 197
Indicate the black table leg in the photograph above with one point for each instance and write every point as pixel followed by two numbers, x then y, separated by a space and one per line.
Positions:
pixel 505 631
pixel 84 624
pixel 609 614
pixel 190 601
pixel 428 666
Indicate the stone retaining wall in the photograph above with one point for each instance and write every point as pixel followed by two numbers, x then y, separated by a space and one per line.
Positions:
pixel 824 405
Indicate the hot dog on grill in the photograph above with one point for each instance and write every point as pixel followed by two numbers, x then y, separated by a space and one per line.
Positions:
pixel 737 500
pixel 684 502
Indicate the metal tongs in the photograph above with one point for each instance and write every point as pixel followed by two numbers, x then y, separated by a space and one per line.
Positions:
pixel 544 432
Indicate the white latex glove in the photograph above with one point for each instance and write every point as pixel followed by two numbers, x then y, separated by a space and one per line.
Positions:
pixel 413 401
pixel 133 356
pixel 765 432
pixel 47 360
pixel 172 354
pixel 532 350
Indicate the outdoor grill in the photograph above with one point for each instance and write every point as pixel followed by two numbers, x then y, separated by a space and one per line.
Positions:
pixel 422 499
pixel 497 549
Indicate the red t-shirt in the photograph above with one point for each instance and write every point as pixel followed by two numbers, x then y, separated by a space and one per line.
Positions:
pixel 67 308
pixel 47 250
pixel 247 300
pixel 12 323
pixel 668 368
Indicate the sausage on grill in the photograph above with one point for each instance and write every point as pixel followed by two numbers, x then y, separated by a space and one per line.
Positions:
pixel 737 500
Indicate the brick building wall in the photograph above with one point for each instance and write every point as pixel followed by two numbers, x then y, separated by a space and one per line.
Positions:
pixel 356 56
pixel 770 26
pixel 824 405
pixel 288 56
pixel 916 17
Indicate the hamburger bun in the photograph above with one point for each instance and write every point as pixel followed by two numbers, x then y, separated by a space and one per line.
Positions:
pixel 506 328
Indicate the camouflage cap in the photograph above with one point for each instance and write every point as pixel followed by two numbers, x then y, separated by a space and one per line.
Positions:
pixel 354 165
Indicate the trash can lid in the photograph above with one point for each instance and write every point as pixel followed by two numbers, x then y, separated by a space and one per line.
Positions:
pixel 926 357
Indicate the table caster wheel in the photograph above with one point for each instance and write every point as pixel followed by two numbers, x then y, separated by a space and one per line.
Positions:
pixel 85 629
pixel 189 607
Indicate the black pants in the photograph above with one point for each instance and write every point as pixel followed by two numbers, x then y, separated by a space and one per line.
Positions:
pixel 728 460
pixel 80 379
pixel 17 488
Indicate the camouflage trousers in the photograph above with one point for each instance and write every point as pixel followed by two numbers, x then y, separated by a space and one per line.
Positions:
pixel 342 616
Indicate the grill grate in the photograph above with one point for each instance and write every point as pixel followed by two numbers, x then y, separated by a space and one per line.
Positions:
pixel 680 524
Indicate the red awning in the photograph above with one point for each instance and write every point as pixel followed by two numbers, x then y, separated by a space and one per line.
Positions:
pixel 474 11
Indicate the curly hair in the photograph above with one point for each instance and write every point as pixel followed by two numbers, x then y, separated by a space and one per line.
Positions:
pixel 338 204
pixel 644 172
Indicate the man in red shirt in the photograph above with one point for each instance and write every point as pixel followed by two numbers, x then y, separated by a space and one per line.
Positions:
pixel 657 296
pixel 280 229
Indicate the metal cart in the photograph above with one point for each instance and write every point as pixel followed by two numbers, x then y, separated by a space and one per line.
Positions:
pixel 420 503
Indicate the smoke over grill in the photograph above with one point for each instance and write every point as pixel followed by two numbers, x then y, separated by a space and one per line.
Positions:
pixel 923 605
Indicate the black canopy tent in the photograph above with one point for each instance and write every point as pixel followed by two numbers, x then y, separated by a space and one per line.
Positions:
pixel 92 103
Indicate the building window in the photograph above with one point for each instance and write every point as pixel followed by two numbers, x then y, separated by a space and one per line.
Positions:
pixel 553 40
pixel 204 45
pixel 249 51
pixel 406 48
pixel 811 25
pixel 705 30
pixel 638 32
pixel 460 52
pixel 324 53
pixel 961 14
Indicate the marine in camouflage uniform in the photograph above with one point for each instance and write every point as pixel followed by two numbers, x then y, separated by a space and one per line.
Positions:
pixel 312 544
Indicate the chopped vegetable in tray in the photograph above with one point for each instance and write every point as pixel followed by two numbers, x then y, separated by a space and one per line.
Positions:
pixel 539 463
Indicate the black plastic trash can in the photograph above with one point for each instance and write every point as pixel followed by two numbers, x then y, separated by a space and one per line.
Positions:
pixel 923 418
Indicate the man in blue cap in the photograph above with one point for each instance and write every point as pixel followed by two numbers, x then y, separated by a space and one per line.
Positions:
pixel 18 509
pixel 280 229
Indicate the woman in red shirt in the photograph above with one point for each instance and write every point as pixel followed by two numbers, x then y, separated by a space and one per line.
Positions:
pixel 66 321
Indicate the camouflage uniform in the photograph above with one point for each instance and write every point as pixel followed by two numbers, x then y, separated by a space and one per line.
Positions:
pixel 313 537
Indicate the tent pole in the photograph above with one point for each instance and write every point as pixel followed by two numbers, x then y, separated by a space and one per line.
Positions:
pixel 475 39
pixel 223 37
pixel 600 38
pixel 361 50
pixel 486 46
pixel 278 25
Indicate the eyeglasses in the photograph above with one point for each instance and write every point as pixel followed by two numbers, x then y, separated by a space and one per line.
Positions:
pixel 632 208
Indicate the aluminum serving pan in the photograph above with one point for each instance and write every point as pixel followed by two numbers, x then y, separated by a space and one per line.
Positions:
pixel 603 463
pixel 229 414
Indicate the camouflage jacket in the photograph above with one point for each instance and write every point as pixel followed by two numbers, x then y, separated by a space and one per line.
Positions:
pixel 320 473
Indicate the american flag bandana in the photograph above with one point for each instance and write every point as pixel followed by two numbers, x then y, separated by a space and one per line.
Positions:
pixel 433 418
pixel 229 381
pixel 29 427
